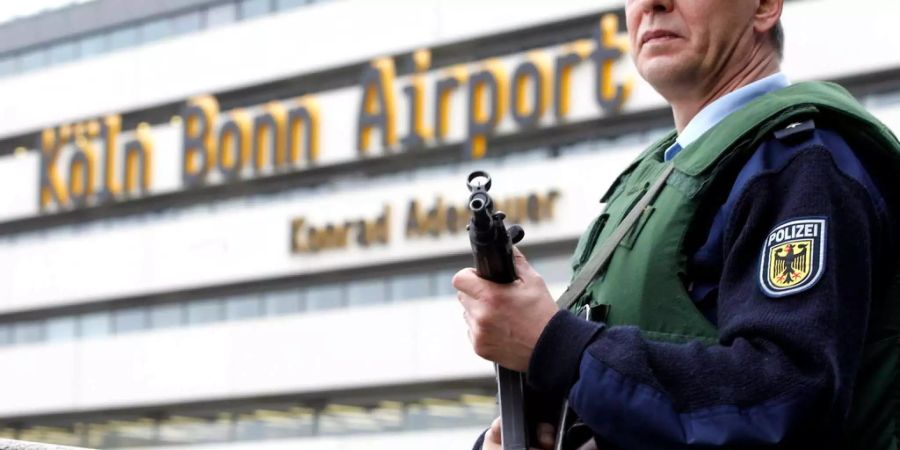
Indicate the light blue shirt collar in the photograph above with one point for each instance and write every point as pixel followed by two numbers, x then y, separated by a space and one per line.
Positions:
pixel 714 112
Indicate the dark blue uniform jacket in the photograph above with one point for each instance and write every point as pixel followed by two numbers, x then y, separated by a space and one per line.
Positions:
pixel 783 369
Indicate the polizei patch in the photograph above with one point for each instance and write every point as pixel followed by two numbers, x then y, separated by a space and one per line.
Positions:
pixel 793 257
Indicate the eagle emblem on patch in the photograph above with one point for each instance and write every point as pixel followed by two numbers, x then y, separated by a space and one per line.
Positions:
pixel 793 257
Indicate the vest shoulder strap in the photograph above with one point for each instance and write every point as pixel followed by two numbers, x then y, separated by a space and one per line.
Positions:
pixel 597 263
pixel 765 114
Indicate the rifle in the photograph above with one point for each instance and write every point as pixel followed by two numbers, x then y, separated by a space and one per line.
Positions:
pixel 492 248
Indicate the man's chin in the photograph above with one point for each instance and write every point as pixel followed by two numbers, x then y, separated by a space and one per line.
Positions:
pixel 663 72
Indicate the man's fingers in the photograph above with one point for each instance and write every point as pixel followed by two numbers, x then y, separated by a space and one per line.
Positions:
pixel 471 306
pixel 493 433
pixel 521 263
pixel 518 256
pixel 545 433
pixel 466 280
pixel 546 438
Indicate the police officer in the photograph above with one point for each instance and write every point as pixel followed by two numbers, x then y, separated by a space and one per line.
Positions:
pixel 754 304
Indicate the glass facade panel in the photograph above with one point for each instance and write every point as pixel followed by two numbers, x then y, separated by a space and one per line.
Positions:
pixel 130 320
pixel 270 423
pixel 63 52
pixel 155 30
pixel 62 329
pixel 6 334
pixel 53 435
pixel 437 413
pixel 195 429
pixel 121 433
pixel 221 14
pixel 255 8
pixel 265 421
pixel 131 433
pixel 205 311
pixel 480 408
pixel 337 420
pixel 123 37
pixel 7 65
pixel 29 332
pixel 33 59
pixel 133 35
pixel 93 45
pixel 243 307
pixel 187 22
pixel 366 292
pixel 411 287
pixel 389 416
pixel 426 284
pixel 289 301
pixel 95 324
pixel 166 316
pixel 288 4
pixel 442 282
pixel 324 297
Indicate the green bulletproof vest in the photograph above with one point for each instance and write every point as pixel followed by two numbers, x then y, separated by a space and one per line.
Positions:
pixel 641 284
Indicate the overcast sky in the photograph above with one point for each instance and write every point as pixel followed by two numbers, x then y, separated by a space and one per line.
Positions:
pixel 11 9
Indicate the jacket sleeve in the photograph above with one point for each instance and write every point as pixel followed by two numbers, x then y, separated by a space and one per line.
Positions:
pixel 782 369
pixel 479 443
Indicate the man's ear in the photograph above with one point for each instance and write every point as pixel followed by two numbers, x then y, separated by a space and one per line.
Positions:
pixel 767 15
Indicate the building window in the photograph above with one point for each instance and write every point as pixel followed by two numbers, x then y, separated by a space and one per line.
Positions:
pixel 282 5
pixel 6 335
pixel 443 285
pixel 155 30
pixel 221 15
pixel 63 52
pixel 29 332
pixel 272 423
pixel 34 59
pixel 54 434
pixel 255 8
pixel 127 433
pixel 288 301
pixel 186 23
pixel 93 45
pixel 427 284
pixel 411 287
pixel 62 329
pixel 7 65
pixel 130 320
pixel 195 429
pixel 366 292
pixel 324 297
pixel 95 324
pixel 123 38
pixel 264 421
pixel 243 307
pixel 339 419
pixel 166 316
pixel 205 311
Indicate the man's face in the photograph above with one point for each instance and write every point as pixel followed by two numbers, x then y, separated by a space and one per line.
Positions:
pixel 678 43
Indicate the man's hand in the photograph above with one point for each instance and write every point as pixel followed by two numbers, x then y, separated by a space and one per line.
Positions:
pixel 505 320
pixel 545 433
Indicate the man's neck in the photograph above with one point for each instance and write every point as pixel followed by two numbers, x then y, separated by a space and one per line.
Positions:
pixel 686 107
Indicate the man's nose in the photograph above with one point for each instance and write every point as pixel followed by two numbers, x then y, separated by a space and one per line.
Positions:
pixel 654 6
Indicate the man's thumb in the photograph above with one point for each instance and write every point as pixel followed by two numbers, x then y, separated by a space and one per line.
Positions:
pixel 521 262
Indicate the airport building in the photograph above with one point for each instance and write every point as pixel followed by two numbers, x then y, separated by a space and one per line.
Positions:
pixel 232 224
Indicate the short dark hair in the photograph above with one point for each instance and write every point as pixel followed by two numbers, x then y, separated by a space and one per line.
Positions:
pixel 777 36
